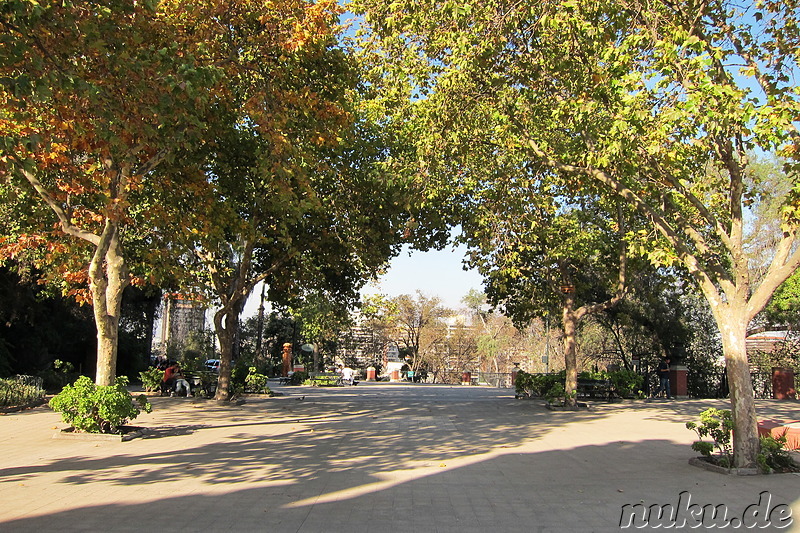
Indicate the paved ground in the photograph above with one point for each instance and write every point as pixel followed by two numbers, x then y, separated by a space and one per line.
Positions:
pixel 376 457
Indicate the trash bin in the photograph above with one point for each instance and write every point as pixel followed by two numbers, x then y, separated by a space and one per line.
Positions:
pixel 466 378
pixel 783 384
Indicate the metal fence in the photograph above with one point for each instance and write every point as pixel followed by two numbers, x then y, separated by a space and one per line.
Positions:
pixel 709 384
pixel 500 380
pixel 20 390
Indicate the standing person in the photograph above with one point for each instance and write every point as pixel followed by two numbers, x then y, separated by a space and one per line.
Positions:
pixel 663 378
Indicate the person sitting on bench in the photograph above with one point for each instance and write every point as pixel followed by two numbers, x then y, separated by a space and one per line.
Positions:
pixel 173 381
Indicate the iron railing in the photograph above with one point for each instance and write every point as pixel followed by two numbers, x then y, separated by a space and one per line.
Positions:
pixel 711 383
pixel 20 390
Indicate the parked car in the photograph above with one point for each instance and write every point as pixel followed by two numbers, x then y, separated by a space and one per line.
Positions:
pixel 212 364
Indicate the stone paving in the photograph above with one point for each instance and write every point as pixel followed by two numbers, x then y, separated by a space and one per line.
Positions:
pixel 376 457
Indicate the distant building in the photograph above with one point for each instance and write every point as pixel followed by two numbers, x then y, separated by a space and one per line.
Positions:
pixel 179 318
pixel 768 341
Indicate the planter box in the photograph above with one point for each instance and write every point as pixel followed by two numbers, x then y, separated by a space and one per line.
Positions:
pixel 128 433
pixel 705 464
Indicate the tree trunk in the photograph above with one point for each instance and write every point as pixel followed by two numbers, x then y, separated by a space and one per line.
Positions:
pixel 570 322
pixel 108 277
pixel 745 435
pixel 222 324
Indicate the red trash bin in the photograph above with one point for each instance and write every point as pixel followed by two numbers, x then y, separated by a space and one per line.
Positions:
pixel 783 384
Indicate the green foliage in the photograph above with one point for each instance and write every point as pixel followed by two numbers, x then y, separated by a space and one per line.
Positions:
pixel 37 326
pixel 238 375
pixel 551 386
pixel 557 394
pixel 298 378
pixel 784 307
pixel 55 378
pixel 787 355
pixel 578 99
pixel 192 361
pixel 703 448
pixel 718 425
pixel 98 409
pixel 20 390
pixel 151 379
pixel 540 385
pixel 627 383
pixel 773 456
pixel 255 382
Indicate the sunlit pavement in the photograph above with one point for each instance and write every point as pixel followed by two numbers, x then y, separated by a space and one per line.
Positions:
pixel 375 457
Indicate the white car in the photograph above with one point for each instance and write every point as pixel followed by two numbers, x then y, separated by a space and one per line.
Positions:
pixel 212 364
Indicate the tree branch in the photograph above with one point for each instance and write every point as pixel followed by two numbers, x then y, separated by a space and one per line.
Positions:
pixel 66 225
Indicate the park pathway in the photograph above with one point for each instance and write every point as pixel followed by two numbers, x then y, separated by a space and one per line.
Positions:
pixel 371 458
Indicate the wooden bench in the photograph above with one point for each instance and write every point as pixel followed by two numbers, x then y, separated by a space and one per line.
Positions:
pixel 325 379
pixel 595 388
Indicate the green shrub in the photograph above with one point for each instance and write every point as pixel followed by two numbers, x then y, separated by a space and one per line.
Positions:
pixel 774 456
pixel 541 385
pixel 255 382
pixel 524 384
pixel 61 374
pixel 298 378
pixel 717 424
pixel 98 409
pixel 627 383
pixel 151 379
pixel 556 393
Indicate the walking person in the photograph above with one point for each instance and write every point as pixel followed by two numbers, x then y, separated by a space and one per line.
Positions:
pixel 663 379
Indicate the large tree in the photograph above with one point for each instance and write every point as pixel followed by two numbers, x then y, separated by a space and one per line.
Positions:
pixel 543 253
pixel 310 208
pixel 658 103
pixel 96 95
pixel 418 326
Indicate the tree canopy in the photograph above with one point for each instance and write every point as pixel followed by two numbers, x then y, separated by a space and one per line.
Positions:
pixel 656 103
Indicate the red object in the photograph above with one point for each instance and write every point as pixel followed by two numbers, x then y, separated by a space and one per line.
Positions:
pixel 776 428
pixel 783 384
pixel 678 380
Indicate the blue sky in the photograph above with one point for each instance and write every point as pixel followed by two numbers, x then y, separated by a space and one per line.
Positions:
pixel 434 273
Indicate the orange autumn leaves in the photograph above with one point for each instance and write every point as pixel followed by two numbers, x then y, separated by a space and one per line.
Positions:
pixel 104 91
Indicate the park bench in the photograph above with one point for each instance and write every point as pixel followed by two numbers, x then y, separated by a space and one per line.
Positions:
pixel 325 379
pixel 595 388
pixel 203 383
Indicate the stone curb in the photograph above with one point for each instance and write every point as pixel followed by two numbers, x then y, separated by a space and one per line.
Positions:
pixel 705 465
pixel 71 434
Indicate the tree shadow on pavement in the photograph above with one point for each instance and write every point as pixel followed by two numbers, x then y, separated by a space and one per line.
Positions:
pixel 582 488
